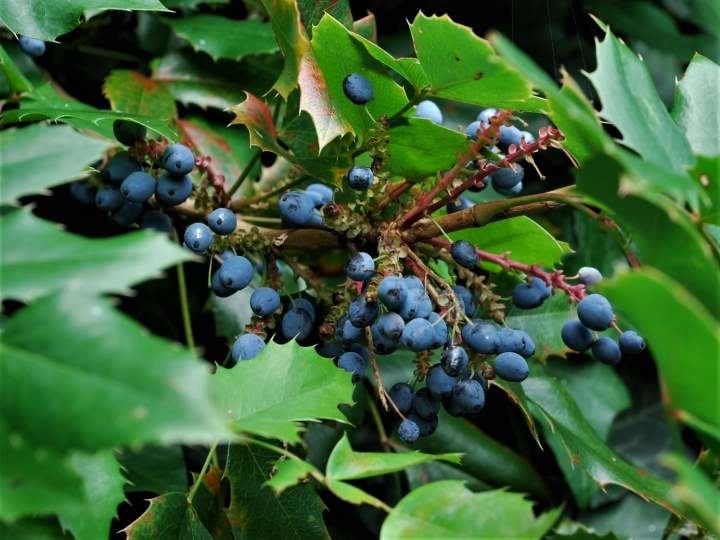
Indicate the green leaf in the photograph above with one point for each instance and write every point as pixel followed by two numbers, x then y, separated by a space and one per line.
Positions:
pixel 290 35
pixel 221 37
pixel 40 156
pixel 41 258
pixel 311 11
pixel 32 529
pixel 448 510
pixel 160 469
pixel 569 530
pixel 663 309
pixel 209 503
pixel 192 4
pixel 627 519
pixel 435 471
pixel 111 386
pixel 354 495
pixel 461 66
pixel 104 490
pixel 47 19
pixel 697 108
pixel 663 233
pixel 516 393
pixel 131 92
pixel 18 83
pixel 366 27
pixel 485 458
pixel 631 103
pixel 173 516
pixel 255 114
pixel 290 472
pixel 586 449
pixel 282 386
pixel 699 497
pixel 338 53
pixel 526 241
pixel 256 512
pixel 346 464
pixel 419 148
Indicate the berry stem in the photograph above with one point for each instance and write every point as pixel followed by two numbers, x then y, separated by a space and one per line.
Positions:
pixel 417 98
pixel 376 371
pixel 200 476
pixel 184 306
pixel 245 172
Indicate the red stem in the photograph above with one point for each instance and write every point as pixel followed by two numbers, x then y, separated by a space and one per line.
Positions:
pixel 394 194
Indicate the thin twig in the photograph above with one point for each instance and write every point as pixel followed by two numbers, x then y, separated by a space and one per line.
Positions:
pixel 376 370
pixel 202 473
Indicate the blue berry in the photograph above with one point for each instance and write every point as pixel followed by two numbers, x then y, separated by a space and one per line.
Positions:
pixel 589 276
pixel 127 214
pixel 408 431
pixel 595 312
pixel 507 177
pixel 352 363
pixel 31 46
pixel 486 115
pixel 529 348
pixel 296 323
pixel 392 292
pixel 316 220
pixel 173 190
pixel 439 383
pixel 526 296
pixel 515 190
pixel 413 282
pixel 463 253
pixel 247 346
pixel 296 208
pixel 222 221
pixel 480 336
pixel 325 192
pixel 418 335
pixel 360 267
pixel 428 109
pixel 236 273
pixel 511 367
pixel 454 360
pixel 157 221
pixel 416 305
pixel 391 326
pixel 264 301
pixel 317 198
pixel 529 137
pixel 120 166
pixel 361 350
pixel 360 177
pixel 468 397
pixel 469 302
pixel 472 130
pixel 425 405
pixel 631 343
pixel 382 345
pixel 138 187
pixel 509 135
pixel 128 132
pixel 509 340
pixel 426 427
pixel 329 349
pixel 576 336
pixel 346 332
pixel 363 313
pixel 440 328
pixel 463 204
pixel 199 237
pixel 109 198
pixel 218 288
pixel 540 284
pixel 357 89
pixel 477 377
pixel 307 306
pixel 606 351
pixel 401 395
pixel 82 192
pixel 178 160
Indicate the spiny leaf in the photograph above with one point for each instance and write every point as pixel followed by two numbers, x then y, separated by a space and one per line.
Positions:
pixel 131 92
pixel 366 27
pixel 311 11
pixel 517 395
pixel 17 81
pixel 282 386
pixel 209 503
pixel 160 469
pixel 171 515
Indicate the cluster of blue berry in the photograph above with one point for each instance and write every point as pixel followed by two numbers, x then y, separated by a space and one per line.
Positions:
pixel 301 208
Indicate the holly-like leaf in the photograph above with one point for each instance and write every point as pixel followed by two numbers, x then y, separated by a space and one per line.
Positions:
pixel 38 258
pixel 449 510
pixel 632 104
pixel 170 514
pixel 209 504
pixel 461 66
pixel 16 80
pixel 311 11
pixel 346 464
pixel 104 491
pixel 35 529
pixel 338 53
pixel 419 148
pixel 366 27
pixel 256 512
pixel 517 395
pixel 485 458
pixel 290 472
pixel 131 92
pixel 290 35
pixel 109 384
pixel 256 116
pixel 435 471
pixel 47 19
pixel 696 108
pixel 569 530
pixel 662 309
pixel 526 241
pixel 160 469
pixel 221 37
pixel 40 156
pixel 282 386
pixel 586 449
